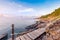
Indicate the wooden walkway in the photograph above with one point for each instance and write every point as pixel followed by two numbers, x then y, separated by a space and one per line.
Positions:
pixel 36 33
pixel 32 35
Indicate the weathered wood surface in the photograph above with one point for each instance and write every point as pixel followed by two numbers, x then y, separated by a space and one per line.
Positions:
pixel 32 35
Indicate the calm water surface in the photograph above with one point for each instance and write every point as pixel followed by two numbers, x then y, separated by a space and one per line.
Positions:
pixel 19 24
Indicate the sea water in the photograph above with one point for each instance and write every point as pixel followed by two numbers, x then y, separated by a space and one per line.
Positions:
pixel 19 24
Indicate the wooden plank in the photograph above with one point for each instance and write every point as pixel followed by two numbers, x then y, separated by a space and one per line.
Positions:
pixel 22 38
pixel 32 35
pixel 26 37
pixel 36 33
pixel 17 38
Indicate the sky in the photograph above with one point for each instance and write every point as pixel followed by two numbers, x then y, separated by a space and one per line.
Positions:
pixel 14 11
pixel 36 8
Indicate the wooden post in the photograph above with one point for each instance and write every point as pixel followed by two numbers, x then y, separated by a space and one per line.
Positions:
pixel 12 31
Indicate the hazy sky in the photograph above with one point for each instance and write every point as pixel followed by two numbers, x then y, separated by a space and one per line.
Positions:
pixel 14 11
pixel 27 7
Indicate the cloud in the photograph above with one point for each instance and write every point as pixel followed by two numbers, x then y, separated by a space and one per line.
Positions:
pixel 5 16
pixel 12 8
pixel 26 10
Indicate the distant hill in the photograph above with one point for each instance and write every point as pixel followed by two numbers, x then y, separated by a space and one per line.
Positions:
pixel 52 15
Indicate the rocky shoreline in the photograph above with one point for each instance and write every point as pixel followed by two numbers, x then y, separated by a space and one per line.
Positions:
pixel 38 24
pixel 52 33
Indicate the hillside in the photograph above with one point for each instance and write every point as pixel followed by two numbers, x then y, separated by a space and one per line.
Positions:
pixel 52 15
